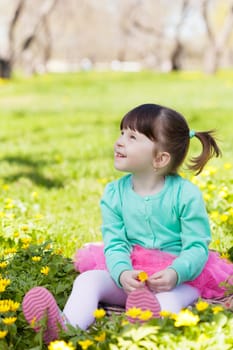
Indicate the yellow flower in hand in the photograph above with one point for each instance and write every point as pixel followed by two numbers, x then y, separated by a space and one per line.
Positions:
pixel 142 276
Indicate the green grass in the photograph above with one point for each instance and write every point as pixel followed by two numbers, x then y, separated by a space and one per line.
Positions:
pixel 57 134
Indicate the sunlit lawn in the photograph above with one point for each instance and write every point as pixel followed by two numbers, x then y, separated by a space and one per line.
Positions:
pixel 57 134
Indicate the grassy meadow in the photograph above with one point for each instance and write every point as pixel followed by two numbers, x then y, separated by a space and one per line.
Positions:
pixel 57 134
pixel 56 156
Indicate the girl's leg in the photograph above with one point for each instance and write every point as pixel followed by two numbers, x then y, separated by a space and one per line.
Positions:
pixel 178 298
pixel 172 301
pixel 89 289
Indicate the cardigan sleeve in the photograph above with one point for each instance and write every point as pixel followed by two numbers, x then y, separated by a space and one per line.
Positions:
pixel 195 234
pixel 116 246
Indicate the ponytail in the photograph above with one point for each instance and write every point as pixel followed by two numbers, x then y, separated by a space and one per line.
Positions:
pixel 209 150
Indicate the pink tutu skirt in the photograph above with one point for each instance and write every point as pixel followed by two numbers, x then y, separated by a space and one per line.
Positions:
pixel 216 270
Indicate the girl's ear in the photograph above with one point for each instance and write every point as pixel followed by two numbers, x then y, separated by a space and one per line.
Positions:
pixel 161 160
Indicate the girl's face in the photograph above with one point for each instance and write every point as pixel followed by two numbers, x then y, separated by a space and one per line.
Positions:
pixel 134 152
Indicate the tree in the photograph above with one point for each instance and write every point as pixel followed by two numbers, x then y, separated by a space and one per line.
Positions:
pixel 11 53
pixel 217 39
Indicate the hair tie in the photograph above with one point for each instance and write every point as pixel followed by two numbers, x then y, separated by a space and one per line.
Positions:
pixel 192 133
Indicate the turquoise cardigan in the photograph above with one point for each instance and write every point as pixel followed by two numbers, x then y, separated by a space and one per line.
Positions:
pixel 174 220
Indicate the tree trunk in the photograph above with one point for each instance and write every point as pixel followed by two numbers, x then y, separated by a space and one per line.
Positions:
pixel 5 68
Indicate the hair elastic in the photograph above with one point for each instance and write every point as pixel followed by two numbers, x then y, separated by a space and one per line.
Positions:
pixel 192 133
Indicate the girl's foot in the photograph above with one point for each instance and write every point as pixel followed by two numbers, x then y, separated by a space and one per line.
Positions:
pixel 144 300
pixel 39 303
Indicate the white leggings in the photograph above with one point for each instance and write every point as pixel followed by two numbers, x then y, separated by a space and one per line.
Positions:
pixel 96 286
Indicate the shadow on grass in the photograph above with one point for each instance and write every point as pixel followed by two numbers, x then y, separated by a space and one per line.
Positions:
pixel 33 172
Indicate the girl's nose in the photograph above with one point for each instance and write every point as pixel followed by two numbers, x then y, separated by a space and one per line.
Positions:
pixel 119 141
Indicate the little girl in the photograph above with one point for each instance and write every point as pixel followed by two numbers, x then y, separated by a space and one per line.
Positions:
pixel 153 221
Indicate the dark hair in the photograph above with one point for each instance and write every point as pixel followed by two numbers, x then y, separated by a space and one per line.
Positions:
pixel 170 131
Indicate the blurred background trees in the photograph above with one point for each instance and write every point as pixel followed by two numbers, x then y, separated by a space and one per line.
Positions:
pixel 56 35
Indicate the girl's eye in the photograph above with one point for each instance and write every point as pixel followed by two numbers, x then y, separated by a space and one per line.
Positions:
pixel 133 137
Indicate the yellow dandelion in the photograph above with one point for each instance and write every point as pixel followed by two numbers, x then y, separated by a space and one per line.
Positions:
pixel 58 251
pixel 4 307
pixel 103 180
pixel 8 305
pixel 3 334
pixel 207 197
pixel 5 187
pixel 13 305
pixel 85 343
pixel 214 214
pixel 2 214
pixel 26 240
pixel 33 322
pixel 124 322
pixel 10 251
pixel 9 206
pixel 194 180
pixel 8 200
pixel 101 337
pixel 45 270
pixel 36 258
pixel 145 315
pixel 211 187
pixel 142 276
pixel 38 216
pixel 223 218
pixel 3 264
pixel 34 194
pixel 133 312
pixel 165 313
pixel 99 313
pixel 225 256
pixel 217 242
pixel 24 228
pixel 60 345
pixel 9 320
pixel 202 185
pixel 25 246
pixel 3 284
pixel 212 170
pixel 216 309
pixel 16 234
pixel 186 318
pixel 202 305
pixel 227 166
pixel 202 337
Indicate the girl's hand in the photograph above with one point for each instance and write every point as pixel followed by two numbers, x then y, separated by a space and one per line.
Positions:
pixel 162 281
pixel 129 281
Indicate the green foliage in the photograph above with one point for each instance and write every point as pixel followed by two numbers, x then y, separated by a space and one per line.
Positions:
pixel 212 329
pixel 27 264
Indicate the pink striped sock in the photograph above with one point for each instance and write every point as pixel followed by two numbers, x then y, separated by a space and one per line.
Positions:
pixel 39 303
pixel 143 299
